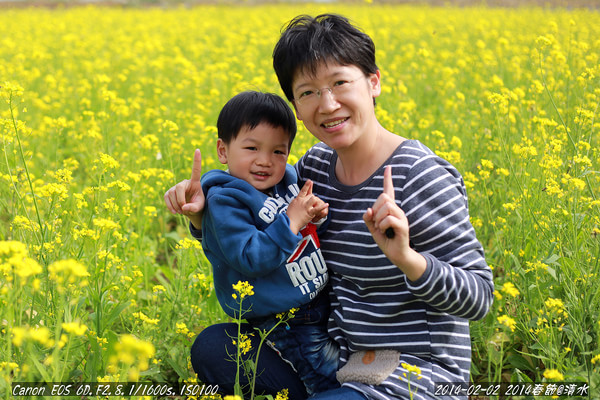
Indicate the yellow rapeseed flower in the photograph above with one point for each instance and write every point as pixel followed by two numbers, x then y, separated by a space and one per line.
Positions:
pixel 134 354
pixel 9 365
pixel 245 343
pixel 507 321
pixel 158 289
pixel 10 89
pixel 68 271
pixel 182 328
pixel 75 328
pixel 11 248
pixel 555 306
pixel 412 370
pixel 15 260
pixel 510 289
pixel 282 395
pixel 553 375
pixel 544 41
pixel 40 335
pixel 140 315
pixel 108 162
pixel 187 243
pixel 150 211
pixel 243 289
pixel 104 223
pixel 23 222
pixel 19 334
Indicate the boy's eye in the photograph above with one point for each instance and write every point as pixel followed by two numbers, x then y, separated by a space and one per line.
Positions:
pixel 340 83
pixel 251 148
pixel 280 152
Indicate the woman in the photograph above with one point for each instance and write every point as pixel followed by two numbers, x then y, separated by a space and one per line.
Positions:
pixel 399 296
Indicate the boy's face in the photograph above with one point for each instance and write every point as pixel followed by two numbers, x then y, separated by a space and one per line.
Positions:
pixel 339 117
pixel 258 155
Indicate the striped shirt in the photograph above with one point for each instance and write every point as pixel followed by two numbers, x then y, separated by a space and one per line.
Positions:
pixel 374 305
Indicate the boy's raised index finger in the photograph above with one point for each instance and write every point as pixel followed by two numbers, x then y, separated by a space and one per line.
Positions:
pixel 197 166
pixel 307 188
pixel 388 183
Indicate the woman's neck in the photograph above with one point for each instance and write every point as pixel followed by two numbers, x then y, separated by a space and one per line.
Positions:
pixel 358 162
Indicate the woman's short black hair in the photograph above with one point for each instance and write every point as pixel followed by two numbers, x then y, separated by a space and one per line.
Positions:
pixel 249 109
pixel 307 42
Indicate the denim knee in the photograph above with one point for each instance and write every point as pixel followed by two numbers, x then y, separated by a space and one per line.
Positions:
pixel 211 360
pixel 211 344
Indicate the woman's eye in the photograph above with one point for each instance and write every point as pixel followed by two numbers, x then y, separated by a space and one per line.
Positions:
pixel 306 93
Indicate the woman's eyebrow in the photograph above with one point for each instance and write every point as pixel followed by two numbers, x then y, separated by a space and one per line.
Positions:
pixel 333 75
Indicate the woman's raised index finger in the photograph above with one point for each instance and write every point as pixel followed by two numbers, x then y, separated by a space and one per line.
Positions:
pixel 388 183
pixel 197 166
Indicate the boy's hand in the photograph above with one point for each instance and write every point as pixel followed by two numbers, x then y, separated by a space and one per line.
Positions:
pixel 385 215
pixel 306 207
pixel 186 197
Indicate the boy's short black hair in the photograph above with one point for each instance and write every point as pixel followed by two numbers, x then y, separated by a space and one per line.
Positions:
pixel 249 109
pixel 307 42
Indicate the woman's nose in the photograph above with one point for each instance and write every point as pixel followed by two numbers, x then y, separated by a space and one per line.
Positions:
pixel 327 101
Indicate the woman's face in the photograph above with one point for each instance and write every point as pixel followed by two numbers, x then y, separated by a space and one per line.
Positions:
pixel 336 103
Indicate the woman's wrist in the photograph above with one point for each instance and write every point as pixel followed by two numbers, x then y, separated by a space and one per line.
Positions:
pixel 412 264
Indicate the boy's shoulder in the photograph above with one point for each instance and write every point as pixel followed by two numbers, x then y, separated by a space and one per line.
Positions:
pixel 216 178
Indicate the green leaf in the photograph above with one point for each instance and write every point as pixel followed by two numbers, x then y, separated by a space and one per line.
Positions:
pixel 176 367
pixel 114 314
pixel 520 362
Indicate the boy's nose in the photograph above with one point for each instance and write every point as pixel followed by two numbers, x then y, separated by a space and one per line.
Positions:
pixel 263 159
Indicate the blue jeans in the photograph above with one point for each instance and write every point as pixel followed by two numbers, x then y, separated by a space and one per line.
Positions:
pixel 305 343
pixel 211 362
pixel 210 359
pixel 339 394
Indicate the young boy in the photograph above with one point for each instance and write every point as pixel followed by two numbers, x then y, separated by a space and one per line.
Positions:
pixel 257 227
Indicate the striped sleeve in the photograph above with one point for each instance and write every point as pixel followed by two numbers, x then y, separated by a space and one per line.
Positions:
pixel 457 280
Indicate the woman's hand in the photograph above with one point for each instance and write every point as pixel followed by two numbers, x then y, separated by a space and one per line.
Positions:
pixel 385 215
pixel 186 197
pixel 305 208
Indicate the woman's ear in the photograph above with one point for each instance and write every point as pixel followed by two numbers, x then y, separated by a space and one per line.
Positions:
pixel 375 83
pixel 222 151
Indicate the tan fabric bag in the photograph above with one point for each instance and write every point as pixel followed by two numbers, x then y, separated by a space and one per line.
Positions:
pixel 369 366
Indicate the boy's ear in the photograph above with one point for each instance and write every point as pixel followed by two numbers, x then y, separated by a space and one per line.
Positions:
pixel 222 151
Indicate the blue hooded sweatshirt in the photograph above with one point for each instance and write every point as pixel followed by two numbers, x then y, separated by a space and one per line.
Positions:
pixel 246 236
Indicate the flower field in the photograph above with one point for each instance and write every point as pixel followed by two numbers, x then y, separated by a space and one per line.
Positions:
pixel 102 109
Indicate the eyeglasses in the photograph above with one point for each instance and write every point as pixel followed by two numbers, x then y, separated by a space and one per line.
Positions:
pixel 311 97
